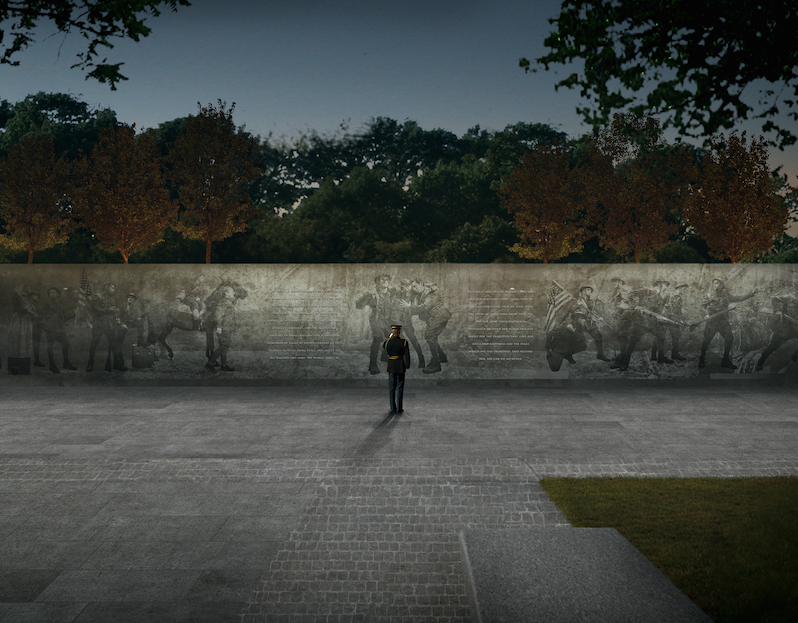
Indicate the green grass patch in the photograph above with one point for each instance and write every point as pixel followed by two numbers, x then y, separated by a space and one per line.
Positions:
pixel 730 544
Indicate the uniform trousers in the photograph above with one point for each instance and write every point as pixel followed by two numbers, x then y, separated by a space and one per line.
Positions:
pixel 396 389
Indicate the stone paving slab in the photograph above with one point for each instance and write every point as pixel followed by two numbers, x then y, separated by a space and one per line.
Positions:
pixel 320 507
pixel 559 576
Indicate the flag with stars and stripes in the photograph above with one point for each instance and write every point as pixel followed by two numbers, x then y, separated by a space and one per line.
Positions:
pixel 82 312
pixel 557 298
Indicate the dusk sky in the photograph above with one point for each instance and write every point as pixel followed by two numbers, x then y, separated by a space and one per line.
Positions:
pixel 311 65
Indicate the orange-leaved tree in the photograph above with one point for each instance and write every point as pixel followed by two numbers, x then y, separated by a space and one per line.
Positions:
pixel 551 202
pixel 123 197
pixel 734 205
pixel 638 184
pixel 34 196
pixel 211 164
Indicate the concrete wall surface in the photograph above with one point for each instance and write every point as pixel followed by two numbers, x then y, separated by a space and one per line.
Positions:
pixel 466 323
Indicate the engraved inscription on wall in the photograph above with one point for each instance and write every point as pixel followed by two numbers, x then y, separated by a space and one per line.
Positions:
pixel 305 324
pixel 499 327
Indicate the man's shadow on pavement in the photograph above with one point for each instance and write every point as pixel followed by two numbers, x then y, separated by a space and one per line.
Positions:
pixel 378 438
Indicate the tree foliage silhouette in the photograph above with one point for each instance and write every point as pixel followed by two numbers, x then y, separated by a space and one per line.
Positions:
pixel 34 191
pixel 97 21
pixel 211 165
pixel 694 62
pixel 123 198
pixel 551 202
pixel 734 206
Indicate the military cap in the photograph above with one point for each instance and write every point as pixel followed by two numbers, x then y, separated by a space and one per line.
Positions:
pixel 662 280
pixel 682 284
pixel 396 326
pixel 587 285
pixel 131 294
pixel 617 279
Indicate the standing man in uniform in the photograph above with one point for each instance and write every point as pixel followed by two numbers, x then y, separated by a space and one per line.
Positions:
pixel 398 362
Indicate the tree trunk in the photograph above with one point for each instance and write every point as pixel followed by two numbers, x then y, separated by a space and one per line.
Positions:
pixel 208 251
pixel 30 255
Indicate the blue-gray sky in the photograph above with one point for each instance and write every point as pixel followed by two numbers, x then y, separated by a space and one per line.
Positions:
pixel 313 64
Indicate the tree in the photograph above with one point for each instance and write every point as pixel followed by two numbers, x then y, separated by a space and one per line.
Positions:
pixel 34 190
pixel 357 220
pixel 637 183
pixel 486 242
pixel 692 61
pixel 551 202
pixel 123 199
pixel 734 205
pixel 211 164
pixel 444 198
pixel 507 148
pixel 74 126
pixel 97 21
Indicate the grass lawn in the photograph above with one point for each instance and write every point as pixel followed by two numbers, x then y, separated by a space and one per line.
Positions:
pixel 730 544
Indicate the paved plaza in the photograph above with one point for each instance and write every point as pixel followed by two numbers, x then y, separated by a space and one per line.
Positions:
pixel 256 504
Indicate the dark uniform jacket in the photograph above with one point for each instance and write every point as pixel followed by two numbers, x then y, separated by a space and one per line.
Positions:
pixel 398 354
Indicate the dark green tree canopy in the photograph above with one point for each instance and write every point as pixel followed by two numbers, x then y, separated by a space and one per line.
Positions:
pixel 97 21
pixel 73 125
pixel 699 63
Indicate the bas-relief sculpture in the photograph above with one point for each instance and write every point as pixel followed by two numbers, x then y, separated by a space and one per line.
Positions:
pixel 290 322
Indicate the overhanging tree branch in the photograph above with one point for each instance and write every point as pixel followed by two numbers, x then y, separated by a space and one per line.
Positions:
pixel 97 21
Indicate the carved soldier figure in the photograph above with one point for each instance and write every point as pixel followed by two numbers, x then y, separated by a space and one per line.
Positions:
pixel 225 321
pixel 37 328
pixel 672 309
pixel 105 317
pixel 641 315
pixel 584 318
pixel 55 319
pixel 618 304
pixel 381 302
pixel 785 327
pixel 431 310
pixel 131 319
pixel 405 294
pixel 716 306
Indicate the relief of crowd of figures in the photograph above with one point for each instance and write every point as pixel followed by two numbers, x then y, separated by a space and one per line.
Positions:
pixel 587 321
pixel 114 321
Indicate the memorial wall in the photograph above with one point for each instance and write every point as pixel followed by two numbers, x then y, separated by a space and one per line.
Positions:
pixel 325 323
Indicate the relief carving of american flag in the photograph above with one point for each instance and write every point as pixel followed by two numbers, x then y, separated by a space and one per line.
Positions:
pixel 557 298
pixel 82 312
